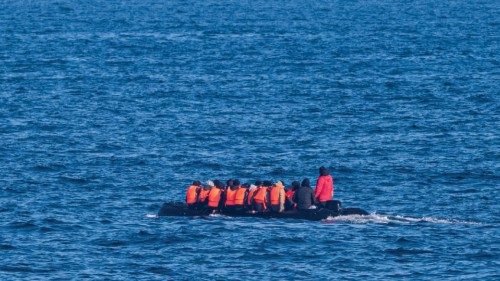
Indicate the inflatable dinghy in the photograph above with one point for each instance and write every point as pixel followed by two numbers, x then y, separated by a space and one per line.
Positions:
pixel 332 209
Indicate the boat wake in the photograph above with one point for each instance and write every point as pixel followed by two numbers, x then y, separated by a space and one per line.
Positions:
pixel 387 219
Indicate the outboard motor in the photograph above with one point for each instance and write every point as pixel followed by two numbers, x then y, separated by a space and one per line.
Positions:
pixel 334 205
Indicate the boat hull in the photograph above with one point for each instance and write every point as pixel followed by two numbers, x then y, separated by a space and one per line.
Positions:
pixel 179 209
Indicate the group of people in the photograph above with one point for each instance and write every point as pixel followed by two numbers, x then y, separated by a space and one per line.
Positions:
pixel 262 196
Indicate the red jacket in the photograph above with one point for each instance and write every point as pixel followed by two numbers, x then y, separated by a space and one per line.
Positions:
pixel 324 188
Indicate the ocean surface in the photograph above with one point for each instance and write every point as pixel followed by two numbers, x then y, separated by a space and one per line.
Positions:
pixel 110 108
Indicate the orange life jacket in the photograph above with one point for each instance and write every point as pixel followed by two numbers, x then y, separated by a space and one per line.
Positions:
pixel 250 196
pixel 260 195
pixel 202 197
pixel 239 198
pixel 191 194
pixel 230 196
pixel 214 197
pixel 274 195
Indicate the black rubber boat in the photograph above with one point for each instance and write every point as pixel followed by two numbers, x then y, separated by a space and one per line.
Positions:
pixel 332 209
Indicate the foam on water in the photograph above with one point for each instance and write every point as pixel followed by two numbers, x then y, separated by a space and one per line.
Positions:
pixel 219 216
pixel 387 219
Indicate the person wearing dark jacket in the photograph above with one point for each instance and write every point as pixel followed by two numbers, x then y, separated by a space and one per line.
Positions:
pixel 220 185
pixel 304 195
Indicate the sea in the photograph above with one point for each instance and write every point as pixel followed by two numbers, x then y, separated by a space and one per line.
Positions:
pixel 110 108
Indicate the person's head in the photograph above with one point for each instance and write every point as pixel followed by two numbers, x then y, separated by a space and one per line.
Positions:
pixel 210 183
pixel 279 184
pixel 267 183
pixel 323 171
pixel 245 185
pixel 196 183
pixel 218 184
pixel 306 183
pixel 236 183
pixel 229 182
pixel 258 183
pixel 295 185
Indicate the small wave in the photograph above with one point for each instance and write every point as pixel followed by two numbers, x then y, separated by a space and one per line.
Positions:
pixel 74 180
pixel 112 243
pixel 402 251
pixel 159 270
pixel 23 224
pixel 23 268
pixel 46 229
pixel 218 216
pixel 6 247
pixel 385 219
pixel 152 216
pixel 51 167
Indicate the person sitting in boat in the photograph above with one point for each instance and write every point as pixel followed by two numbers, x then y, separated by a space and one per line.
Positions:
pixel 222 201
pixel 324 187
pixel 261 197
pixel 304 195
pixel 192 194
pixel 203 194
pixel 215 195
pixel 241 197
pixel 289 194
pixel 251 192
pixel 232 187
pixel 229 183
pixel 277 197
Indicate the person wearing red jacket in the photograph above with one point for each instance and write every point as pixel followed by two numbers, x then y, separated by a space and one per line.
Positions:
pixel 324 186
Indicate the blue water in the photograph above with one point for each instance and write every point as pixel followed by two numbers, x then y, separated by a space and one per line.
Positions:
pixel 110 108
